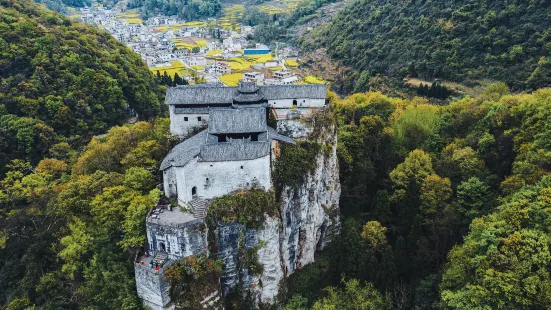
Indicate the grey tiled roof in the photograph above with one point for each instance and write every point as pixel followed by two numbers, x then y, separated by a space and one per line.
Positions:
pixel 199 94
pixel 237 120
pixel 216 94
pixel 182 153
pixel 252 97
pixel 234 151
pixel 223 120
pixel 274 135
pixel 273 92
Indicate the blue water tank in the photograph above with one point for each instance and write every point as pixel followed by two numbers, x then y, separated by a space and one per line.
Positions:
pixel 251 51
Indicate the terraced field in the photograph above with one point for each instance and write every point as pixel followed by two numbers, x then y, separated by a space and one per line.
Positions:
pixel 239 64
pixel 312 80
pixel 231 79
pixel 131 18
pixel 231 18
pixel 291 63
pixel 195 24
pixel 272 9
pixel 175 67
pixel 189 42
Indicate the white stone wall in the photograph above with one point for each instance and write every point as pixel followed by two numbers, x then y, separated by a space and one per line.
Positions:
pixel 169 182
pixel 301 102
pixel 179 242
pixel 214 179
pixel 152 288
pixel 180 127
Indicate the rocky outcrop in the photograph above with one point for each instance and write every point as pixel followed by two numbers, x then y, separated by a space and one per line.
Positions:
pixel 310 214
pixel 308 219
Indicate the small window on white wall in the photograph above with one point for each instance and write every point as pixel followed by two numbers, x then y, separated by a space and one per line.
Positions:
pixel 185 119
pixel 199 118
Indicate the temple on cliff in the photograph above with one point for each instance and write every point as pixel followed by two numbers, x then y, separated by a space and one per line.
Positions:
pixel 227 146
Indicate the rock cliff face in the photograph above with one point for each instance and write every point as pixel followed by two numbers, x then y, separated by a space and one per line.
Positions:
pixel 308 219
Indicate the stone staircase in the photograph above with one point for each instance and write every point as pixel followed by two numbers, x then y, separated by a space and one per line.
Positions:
pixel 199 207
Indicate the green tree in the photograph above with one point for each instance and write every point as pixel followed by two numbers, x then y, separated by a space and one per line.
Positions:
pixel 374 233
pixel 353 296
pixel 517 233
pixel 474 198
pixel 347 253
pixel 362 84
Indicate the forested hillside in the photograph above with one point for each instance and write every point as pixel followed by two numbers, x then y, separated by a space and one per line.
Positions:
pixel 443 207
pixel 459 40
pixel 62 82
pixel 61 5
pixel 187 10
pixel 69 225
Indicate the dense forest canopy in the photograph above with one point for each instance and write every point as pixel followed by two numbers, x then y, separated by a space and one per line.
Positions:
pixel 442 207
pixel 69 224
pixel 62 82
pixel 460 40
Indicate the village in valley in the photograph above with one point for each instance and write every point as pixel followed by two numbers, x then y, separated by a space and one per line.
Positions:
pixel 213 51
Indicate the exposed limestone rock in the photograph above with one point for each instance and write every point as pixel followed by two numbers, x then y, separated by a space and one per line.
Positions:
pixel 308 220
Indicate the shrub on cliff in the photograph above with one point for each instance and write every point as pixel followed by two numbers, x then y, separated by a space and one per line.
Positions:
pixel 294 163
pixel 245 207
pixel 192 280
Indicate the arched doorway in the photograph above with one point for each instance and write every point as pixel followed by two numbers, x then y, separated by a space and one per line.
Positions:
pixel 162 247
pixel 194 191
pixel 295 102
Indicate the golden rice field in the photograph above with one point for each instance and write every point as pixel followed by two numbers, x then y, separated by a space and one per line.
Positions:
pixel 128 15
pixel 234 10
pixel 179 26
pixel 195 24
pixel 198 67
pixel 313 80
pixel 200 42
pixel 291 63
pixel 231 79
pixel 213 52
pixel 184 43
pixel 239 65
pixel 230 17
pixel 175 67
pixel 259 58
pixel 291 4
pixel 244 63
pixel 275 68
pixel 270 9
pixel 131 18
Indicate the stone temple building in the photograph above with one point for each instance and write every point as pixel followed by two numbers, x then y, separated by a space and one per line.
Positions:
pixel 189 106
pixel 229 147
